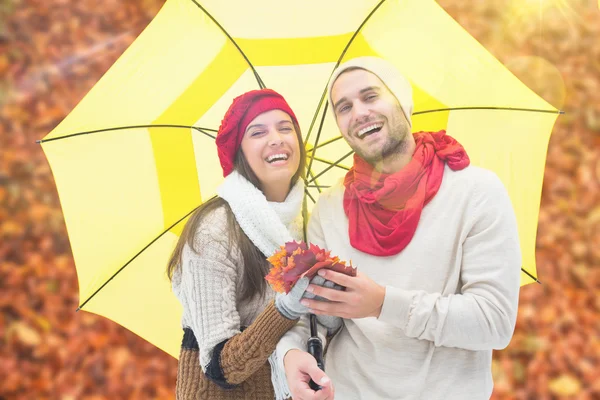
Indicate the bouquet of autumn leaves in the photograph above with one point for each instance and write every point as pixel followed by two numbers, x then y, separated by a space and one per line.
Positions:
pixel 296 260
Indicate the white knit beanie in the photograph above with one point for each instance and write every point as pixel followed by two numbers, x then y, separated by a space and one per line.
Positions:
pixel 388 74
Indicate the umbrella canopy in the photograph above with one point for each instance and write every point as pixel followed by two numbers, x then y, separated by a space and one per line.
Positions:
pixel 137 155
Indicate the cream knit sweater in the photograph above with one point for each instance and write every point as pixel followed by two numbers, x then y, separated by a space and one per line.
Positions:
pixel 208 285
pixel 451 297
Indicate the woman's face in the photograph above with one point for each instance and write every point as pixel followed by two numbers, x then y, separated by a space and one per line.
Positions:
pixel 271 148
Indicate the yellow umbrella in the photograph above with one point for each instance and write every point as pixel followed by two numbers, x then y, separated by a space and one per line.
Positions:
pixel 137 155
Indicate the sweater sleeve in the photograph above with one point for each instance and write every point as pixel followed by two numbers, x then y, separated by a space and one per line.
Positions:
pixel 208 292
pixel 483 315
pixel 246 352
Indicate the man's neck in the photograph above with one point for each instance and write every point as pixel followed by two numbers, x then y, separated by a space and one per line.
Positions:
pixel 395 162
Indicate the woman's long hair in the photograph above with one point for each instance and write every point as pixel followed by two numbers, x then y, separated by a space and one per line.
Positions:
pixel 255 263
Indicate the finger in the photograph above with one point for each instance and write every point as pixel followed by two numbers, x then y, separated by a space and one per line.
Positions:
pixel 339 278
pixel 326 391
pixel 306 393
pixel 301 284
pixel 325 307
pixel 303 390
pixel 318 376
pixel 327 293
pixel 318 280
pixel 299 288
pixel 330 284
pixel 341 314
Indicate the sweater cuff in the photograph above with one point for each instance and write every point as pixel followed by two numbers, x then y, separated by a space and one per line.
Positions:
pixel 396 307
pixel 247 350
pixel 277 323
pixel 214 372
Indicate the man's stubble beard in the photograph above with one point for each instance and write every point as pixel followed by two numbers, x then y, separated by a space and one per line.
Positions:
pixel 395 145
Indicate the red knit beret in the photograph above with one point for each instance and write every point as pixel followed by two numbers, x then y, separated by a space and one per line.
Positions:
pixel 241 112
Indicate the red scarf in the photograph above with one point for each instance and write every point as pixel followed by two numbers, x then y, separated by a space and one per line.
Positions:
pixel 384 209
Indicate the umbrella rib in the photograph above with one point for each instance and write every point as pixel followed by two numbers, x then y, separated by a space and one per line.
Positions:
pixel 531 276
pixel 316 114
pixel 312 153
pixel 316 185
pixel 331 163
pixel 134 257
pixel 202 130
pixel 335 139
pixel 356 33
pixel 261 84
pixel 454 109
pixel 118 128
pixel 335 164
pixel 490 108
pixel 309 195
pixel 336 65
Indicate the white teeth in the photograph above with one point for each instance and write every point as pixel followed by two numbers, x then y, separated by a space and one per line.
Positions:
pixel 274 157
pixel 369 128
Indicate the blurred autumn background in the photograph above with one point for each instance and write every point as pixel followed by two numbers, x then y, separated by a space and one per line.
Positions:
pixel 53 51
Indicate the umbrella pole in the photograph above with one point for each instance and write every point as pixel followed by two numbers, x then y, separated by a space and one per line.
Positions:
pixel 314 345
pixel 315 348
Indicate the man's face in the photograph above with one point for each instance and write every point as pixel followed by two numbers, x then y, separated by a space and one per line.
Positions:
pixel 369 115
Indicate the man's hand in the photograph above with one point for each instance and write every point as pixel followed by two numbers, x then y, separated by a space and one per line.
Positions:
pixel 300 368
pixel 362 297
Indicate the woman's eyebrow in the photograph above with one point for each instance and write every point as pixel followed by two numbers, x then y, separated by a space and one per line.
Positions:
pixel 255 126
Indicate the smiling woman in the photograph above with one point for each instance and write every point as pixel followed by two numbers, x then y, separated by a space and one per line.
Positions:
pixel 271 146
pixel 231 323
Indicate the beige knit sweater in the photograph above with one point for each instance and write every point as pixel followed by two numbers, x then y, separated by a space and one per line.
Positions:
pixel 451 296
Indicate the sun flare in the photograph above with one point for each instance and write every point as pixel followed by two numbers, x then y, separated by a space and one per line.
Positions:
pixel 526 10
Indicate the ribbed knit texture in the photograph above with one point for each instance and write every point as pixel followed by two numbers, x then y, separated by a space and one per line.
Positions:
pixel 247 351
pixel 242 360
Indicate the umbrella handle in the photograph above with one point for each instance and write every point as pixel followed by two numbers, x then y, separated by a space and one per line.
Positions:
pixel 315 348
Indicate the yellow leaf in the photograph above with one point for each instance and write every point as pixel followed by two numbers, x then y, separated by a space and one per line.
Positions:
pixel 565 385
pixel 24 333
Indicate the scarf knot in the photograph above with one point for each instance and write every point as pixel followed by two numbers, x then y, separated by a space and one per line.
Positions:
pixel 384 209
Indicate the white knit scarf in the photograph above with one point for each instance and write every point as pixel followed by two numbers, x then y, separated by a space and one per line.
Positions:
pixel 268 225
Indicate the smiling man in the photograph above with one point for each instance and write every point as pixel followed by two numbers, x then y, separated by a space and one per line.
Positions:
pixel 371 119
pixel 435 241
